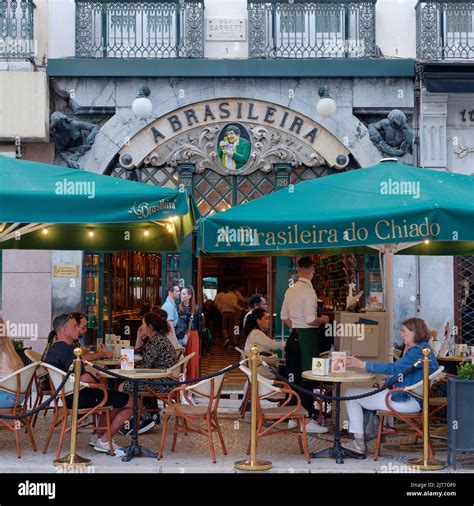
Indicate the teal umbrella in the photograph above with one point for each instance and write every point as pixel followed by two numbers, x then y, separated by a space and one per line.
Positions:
pixel 50 207
pixel 390 207
pixel 416 210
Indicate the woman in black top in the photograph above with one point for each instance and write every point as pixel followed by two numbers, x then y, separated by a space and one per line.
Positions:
pixel 157 353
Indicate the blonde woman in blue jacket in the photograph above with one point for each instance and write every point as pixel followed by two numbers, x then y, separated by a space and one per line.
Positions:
pixel 415 335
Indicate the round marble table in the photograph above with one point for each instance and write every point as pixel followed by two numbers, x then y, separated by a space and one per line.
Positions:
pixel 336 450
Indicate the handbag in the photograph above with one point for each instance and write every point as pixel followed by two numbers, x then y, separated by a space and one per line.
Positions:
pixel 180 329
pixel 371 423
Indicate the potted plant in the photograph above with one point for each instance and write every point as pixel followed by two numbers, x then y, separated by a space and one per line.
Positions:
pixel 19 346
pixel 460 412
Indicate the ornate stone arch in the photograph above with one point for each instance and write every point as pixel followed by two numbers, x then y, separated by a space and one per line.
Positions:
pixel 124 134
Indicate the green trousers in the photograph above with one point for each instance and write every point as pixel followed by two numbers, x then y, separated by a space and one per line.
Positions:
pixel 309 347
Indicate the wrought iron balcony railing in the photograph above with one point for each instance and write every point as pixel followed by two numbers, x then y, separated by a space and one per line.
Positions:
pixel 445 30
pixel 16 29
pixel 311 29
pixel 140 29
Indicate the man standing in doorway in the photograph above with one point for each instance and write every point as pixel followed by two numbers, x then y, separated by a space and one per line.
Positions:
pixel 299 312
pixel 169 306
pixel 228 305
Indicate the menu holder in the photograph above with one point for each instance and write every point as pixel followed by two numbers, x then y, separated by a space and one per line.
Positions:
pixel 462 350
pixel 320 366
pixel 338 362
pixel 127 361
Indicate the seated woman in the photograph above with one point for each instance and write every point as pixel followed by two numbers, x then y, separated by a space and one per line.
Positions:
pixel 415 335
pixel 157 353
pixel 254 334
pixel 9 363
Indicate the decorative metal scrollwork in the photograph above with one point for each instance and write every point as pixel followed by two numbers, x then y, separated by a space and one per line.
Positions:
pixel 269 146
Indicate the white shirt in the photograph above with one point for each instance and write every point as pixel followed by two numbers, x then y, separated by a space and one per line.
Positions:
pixel 264 343
pixel 300 304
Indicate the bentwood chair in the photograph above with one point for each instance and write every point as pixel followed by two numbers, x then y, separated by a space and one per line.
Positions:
pixel 41 382
pixel 19 383
pixel 187 417
pixel 270 419
pixel 244 407
pixel 62 412
pixel 413 422
pixel 174 372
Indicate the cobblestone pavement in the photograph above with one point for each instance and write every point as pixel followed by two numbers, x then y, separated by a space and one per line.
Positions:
pixel 192 453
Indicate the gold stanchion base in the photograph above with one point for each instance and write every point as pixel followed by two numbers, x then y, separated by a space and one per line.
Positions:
pixel 72 461
pixel 258 465
pixel 426 465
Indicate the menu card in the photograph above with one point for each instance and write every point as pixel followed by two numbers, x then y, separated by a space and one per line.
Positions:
pixel 127 358
pixel 338 362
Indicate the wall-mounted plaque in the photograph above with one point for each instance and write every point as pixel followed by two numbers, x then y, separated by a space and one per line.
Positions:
pixel 68 271
pixel 225 29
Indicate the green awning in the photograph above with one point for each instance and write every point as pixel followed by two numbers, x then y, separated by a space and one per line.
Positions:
pixel 389 203
pixel 50 207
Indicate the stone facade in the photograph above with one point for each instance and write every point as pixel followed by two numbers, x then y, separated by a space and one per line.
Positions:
pixel 359 101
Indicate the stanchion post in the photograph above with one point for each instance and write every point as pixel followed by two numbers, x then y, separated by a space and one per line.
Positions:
pixel 74 460
pixel 426 464
pixel 253 464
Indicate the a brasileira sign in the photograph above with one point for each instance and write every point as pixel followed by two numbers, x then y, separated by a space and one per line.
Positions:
pixel 236 111
pixel 297 235
pixel 235 132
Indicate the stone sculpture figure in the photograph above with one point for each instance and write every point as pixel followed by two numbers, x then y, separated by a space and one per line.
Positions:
pixel 72 137
pixel 392 136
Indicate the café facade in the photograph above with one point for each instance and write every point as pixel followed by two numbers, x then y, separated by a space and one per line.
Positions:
pixel 282 142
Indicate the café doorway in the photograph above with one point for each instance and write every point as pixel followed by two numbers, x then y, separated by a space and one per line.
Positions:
pixel 251 275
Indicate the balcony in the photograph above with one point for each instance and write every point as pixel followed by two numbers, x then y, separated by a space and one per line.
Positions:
pixel 175 29
pixel 139 29
pixel 302 29
pixel 445 30
pixel 16 29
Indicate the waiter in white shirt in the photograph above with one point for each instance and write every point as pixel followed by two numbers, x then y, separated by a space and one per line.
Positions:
pixel 299 312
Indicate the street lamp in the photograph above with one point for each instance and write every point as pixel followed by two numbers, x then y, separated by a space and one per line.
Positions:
pixel 142 105
pixel 326 106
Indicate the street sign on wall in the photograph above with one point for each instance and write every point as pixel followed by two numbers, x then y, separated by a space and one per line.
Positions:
pixel 225 29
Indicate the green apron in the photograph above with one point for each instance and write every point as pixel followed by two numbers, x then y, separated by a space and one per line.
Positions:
pixel 309 347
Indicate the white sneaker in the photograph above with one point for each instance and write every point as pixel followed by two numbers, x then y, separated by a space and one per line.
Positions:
pixel 93 440
pixel 104 447
pixel 314 428
pixel 292 424
pixel 356 446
